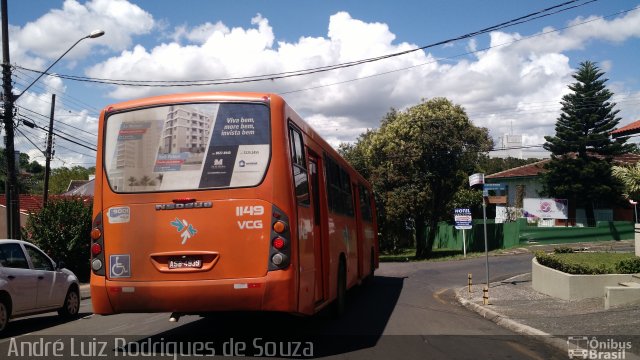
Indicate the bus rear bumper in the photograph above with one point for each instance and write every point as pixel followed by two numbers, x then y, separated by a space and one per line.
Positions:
pixel 273 292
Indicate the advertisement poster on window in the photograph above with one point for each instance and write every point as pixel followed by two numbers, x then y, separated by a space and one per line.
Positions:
pixel 239 149
pixel 544 208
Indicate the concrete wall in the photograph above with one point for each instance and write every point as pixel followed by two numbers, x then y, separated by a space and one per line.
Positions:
pixel 637 239
pixel 572 287
pixel 3 221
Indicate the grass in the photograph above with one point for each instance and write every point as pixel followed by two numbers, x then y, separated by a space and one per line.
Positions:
pixel 591 263
pixel 403 255
pixel 609 260
pixel 406 255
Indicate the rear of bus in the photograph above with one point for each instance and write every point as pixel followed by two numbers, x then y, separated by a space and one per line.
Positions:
pixel 190 215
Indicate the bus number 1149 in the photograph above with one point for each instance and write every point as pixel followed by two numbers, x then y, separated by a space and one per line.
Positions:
pixel 256 210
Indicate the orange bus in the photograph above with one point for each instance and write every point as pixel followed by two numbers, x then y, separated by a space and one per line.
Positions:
pixel 224 201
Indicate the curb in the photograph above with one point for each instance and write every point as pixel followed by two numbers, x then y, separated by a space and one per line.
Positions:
pixel 500 319
pixel 85 291
pixel 510 324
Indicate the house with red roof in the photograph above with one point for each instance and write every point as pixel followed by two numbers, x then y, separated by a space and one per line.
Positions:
pixel 524 182
pixel 33 203
pixel 631 129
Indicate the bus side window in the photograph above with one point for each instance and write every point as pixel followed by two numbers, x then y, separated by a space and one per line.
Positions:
pixel 365 203
pixel 299 164
pixel 339 194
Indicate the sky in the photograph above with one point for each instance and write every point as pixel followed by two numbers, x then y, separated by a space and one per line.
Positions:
pixel 509 80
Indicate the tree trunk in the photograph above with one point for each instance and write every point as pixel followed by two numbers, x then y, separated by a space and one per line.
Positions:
pixel 421 238
pixel 591 214
pixel 425 236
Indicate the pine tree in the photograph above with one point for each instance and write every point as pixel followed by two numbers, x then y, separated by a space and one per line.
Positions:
pixel 582 150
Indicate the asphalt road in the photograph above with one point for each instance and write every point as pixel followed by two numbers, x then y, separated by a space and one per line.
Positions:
pixel 408 312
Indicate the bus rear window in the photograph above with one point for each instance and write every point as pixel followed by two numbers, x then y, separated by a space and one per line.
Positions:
pixel 187 147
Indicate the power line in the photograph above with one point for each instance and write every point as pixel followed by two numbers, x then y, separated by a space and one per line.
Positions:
pixel 46 88
pixel 451 57
pixel 76 152
pixel 57 121
pixel 67 138
pixel 28 139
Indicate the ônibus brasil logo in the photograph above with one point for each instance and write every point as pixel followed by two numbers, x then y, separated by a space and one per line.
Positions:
pixel 583 347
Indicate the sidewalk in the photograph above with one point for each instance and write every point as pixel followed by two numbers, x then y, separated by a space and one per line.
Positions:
pixel 85 291
pixel 514 305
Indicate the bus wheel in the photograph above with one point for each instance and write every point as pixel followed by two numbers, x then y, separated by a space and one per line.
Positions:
pixel 341 299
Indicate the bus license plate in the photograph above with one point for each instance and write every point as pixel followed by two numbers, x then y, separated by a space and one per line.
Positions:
pixel 185 263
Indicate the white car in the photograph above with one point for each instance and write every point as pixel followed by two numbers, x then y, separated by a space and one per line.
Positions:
pixel 31 283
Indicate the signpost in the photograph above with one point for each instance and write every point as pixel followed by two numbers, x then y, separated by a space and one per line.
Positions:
pixel 478 179
pixel 463 219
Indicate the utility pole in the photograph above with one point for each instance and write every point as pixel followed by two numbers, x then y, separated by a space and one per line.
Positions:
pixel 11 183
pixel 47 167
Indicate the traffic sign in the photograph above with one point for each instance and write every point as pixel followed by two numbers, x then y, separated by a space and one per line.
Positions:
pixel 495 187
pixel 463 219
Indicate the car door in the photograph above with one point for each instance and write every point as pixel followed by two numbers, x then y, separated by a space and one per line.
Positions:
pixel 50 284
pixel 18 278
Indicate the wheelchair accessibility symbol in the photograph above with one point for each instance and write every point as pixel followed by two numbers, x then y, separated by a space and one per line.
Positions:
pixel 120 266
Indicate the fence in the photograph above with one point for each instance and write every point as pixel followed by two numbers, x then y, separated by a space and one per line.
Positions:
pixel 511 234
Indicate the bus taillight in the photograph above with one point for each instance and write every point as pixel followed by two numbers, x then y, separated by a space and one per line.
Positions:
pixel 279 243
pixel 97 244
pixel 279 252
pixel 95 233
pixel 96 249
pixel 279 227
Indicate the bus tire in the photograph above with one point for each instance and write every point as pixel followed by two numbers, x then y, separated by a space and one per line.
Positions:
pixel 341 297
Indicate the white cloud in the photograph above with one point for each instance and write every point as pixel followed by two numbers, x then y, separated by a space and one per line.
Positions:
pixel 200 34
pixel 513 86
pixel 516 84
pixel 53 33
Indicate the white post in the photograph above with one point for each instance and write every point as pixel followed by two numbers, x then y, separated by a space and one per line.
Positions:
pixel 464 243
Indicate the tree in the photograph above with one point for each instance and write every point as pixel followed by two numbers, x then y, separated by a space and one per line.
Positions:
pixel 582 150
pixel 30 174
pixel 132 180
pixel 61 229
pixel 630 178
pixel 417 160
pixel 61 177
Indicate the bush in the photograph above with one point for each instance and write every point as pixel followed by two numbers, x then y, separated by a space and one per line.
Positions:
pixel 563 250
pixel 554 262
pixel 61 229
pixel 629 266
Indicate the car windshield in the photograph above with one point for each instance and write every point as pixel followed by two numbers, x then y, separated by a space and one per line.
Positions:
pixel 187 147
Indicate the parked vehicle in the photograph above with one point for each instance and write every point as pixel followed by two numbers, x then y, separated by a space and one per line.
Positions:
pixel 32 283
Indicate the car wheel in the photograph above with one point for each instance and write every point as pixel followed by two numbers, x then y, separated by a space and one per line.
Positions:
pixel 4 314
pixel 71 305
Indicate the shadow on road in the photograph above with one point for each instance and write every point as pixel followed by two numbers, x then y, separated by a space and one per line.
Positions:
pixel 368 311
pixel 26 325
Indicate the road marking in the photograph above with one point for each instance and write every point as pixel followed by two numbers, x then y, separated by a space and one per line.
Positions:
pixel 437 295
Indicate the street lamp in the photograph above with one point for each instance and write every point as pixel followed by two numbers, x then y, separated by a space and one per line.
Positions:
pixel 94 34
pixel 11 188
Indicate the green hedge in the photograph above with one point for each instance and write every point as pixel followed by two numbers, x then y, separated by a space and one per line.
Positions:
pixel 609 265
